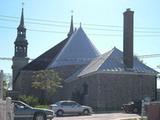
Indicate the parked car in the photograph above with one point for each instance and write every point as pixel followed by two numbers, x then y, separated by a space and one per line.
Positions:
pixel 23 111
pixel 70 107
pixel 133 107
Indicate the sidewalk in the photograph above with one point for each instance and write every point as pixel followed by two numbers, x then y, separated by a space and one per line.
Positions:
pixel 133 118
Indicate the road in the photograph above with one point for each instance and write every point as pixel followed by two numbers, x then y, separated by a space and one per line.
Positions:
pixel 107 116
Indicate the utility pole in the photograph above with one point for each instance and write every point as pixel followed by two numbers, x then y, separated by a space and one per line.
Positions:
pixel 1 85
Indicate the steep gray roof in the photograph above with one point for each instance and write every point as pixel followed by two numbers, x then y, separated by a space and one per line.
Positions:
pixel 41 62
pixel 78 50
pixel 112 61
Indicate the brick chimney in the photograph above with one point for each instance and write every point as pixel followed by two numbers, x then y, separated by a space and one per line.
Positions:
pixel 128 39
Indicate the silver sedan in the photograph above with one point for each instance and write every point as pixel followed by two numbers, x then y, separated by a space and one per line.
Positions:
pixel 70 107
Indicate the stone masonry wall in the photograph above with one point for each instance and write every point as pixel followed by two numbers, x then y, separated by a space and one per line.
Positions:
pixel 110 91
pixel 118 89
pixel 77 85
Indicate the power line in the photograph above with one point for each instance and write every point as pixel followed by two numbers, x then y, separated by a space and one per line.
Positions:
pixel 36 23
pixel 151 33
pixel 60 32
pixel 34 19
pixel 63 26
pixel 149 56
pixel 4 58
pixel 47 31
pixel 63 22
pixel 139 56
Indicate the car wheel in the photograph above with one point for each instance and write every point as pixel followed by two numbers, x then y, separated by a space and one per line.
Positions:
pixel 86 112
pixel 39 116
pixel 60 113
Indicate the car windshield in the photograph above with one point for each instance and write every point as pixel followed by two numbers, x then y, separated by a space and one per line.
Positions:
pixel 19 104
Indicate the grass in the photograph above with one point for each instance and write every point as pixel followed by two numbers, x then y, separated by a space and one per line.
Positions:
pixel 42 106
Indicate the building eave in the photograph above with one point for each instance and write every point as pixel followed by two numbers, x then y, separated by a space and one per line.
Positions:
pixel 111 72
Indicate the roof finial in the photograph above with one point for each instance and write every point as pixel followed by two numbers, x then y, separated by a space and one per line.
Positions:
pixel 72 12
pixel 22 17
pixel 22 4
pixel 80 24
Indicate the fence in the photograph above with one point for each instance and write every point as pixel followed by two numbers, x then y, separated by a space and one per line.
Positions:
pixel 6 106
pixel 6 109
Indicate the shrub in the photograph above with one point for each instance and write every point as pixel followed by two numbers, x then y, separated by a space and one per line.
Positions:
pixel 31 100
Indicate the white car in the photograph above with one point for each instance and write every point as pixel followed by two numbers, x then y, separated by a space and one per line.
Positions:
pixel 70 107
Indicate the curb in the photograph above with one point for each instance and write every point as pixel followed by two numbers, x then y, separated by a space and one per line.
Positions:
pixel 132 119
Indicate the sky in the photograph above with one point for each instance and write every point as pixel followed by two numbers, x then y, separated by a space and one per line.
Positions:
pixel 47 23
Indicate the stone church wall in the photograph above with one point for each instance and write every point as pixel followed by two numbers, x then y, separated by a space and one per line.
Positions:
pixel 90 97
pixel 118 89
pixel 23 83
pixel 110 91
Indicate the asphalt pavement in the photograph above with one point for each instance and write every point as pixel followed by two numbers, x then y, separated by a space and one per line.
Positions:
pixel 104 116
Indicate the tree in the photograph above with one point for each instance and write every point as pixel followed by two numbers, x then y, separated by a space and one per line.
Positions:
pixel 46 81
pixel 7 77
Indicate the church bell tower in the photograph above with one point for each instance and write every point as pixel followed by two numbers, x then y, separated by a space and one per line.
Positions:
pixel 20 58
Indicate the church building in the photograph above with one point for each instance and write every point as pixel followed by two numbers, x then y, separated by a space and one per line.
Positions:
pixel 103 81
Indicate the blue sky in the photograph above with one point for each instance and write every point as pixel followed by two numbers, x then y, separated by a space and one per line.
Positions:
pixel 102 20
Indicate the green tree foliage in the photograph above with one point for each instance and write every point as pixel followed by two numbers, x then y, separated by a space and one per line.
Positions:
pixel 6 84
pixel 7 77
pixel 5 89
pixel 46 81
pixel 31 100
